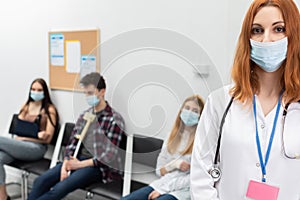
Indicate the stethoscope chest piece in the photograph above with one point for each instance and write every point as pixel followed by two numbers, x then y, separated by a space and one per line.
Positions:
pixel 215 173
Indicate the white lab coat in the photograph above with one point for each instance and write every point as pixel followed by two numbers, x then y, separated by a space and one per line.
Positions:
pixel 239 161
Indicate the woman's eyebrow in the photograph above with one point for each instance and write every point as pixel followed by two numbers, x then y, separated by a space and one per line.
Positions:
pixel 279 22
pixel 256 24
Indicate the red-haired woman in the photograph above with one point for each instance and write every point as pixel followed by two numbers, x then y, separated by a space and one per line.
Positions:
pixel 257 156
pixel 173 163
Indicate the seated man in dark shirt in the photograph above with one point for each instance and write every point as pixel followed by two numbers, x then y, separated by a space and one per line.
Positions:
pixel 97 159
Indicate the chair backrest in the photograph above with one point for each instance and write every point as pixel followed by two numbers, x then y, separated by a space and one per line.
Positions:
pixel 12 124
pixel 67 133
pixel 61 142
pixel 123 143
pixel 56 133
pixel 65 139
pixel 146 150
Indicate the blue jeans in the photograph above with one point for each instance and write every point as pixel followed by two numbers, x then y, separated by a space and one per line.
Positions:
pixel 49 187
pixel 143 193
pixel 12 149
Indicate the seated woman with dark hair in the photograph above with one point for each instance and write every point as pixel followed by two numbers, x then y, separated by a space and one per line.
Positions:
pixel 40 109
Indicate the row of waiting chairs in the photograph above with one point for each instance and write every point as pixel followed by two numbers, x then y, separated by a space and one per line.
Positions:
pixel 145 152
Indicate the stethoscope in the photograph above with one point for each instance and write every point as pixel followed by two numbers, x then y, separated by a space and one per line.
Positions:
pixel 215 171
pixel 284 114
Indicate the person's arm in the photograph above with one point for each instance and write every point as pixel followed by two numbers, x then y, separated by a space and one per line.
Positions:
pixel 74 163
pixel 72 142
pixel 63 171
pixel 162 160
pixel 166 165
pixel 162 171
pixel 201 183
pixel 46 135
pixel 170 183
pixel 70 164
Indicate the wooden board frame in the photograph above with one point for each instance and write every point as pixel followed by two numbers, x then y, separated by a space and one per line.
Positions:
pixel 89 40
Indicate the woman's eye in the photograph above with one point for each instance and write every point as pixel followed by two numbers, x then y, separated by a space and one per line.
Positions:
pixel 280 29
pixel 257 30
pixel 36 90
pixel 196 111
pixel 187 107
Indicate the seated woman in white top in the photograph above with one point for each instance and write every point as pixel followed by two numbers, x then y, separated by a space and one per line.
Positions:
pixel 173 164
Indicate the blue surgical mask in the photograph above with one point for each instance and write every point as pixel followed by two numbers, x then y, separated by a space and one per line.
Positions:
pixel 92 100
pixel 189 118
pixel 269 55
pixel 36 96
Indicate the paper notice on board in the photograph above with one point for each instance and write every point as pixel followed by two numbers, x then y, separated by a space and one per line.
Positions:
pixel 57 50
pixel 73 53
pixel 88 65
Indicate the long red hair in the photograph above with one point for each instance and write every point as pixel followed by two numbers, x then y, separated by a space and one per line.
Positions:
pixel 245 81
pixel 175 137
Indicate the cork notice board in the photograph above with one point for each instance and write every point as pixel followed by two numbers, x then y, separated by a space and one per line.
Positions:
pixel 72 54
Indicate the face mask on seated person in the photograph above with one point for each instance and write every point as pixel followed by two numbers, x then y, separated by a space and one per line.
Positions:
pixel 92 100
pixel 189 118
pixel 36 96
pixel 269 55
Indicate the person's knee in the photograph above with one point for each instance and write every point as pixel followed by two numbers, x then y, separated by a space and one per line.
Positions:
pixel 59 191
pixel 39 181
pixel 3 158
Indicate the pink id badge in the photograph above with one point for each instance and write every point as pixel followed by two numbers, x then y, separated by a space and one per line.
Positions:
pixel 261 191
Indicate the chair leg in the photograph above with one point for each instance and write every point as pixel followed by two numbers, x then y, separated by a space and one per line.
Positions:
pixel 26 185
pixel 23 185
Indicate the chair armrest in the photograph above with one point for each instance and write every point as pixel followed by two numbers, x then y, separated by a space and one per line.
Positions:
pixel 143 173
pixel 57 148
pixel 128 165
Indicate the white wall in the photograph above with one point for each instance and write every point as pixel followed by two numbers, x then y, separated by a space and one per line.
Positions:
pixel 211 26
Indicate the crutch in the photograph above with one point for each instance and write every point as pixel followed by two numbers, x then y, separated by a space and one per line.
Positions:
pixel 89 117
